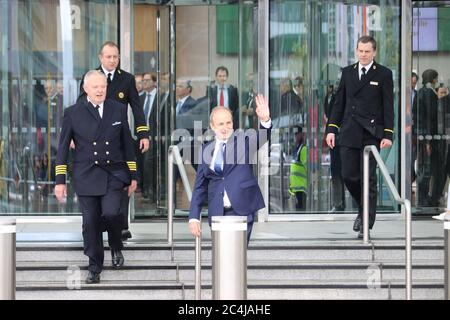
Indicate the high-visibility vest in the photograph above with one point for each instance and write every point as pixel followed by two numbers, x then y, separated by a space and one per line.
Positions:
pixel 298 178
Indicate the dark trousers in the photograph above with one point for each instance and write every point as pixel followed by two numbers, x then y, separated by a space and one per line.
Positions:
pixel 301 200
pixel 431 172
pixel 149 175
pixel 352 172
pixel 337 182
pixel 100 213
pixel 250 220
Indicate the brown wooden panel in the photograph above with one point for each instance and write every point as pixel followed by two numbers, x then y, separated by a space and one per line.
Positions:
pixel 145 28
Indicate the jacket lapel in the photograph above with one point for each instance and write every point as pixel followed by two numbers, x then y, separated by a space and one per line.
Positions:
pixel 229 159
pixel 105 120
pixel 369 76
pixel 355 75
pixel 92 111
pixel 115 80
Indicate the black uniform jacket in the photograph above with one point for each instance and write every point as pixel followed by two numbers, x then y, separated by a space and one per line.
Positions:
pixel 123 89
pixel 363 104
pixel 102 146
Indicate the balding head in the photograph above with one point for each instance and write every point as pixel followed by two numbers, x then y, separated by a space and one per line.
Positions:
pixel 221 122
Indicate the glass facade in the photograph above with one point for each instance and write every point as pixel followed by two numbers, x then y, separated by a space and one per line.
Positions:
pixel 176 49
pixel 310 41
pixel 430 99
pixel 46 47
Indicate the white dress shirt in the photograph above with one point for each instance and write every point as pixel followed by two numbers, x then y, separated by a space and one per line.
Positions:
pixel 180 104
pixel 226 200
pixel 360 66
pixel 106 73
pixel 100 110
pixel 150 95
pixel 225 95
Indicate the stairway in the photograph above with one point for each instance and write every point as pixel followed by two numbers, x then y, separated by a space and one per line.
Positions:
pixel 277 269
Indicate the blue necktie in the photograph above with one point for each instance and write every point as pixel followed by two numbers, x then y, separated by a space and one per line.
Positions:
pixel 219 159
pixel 179 105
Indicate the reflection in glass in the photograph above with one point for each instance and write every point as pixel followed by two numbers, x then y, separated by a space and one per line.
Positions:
pixel 310 41
pixel 49 46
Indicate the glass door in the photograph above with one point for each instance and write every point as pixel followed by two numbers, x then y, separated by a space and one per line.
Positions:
pixel 46 48
pixel 310 41
pixel 183 49
pixel 430 82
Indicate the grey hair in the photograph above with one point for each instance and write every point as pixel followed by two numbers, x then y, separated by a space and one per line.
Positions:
pixel 216 109
pixel 91 73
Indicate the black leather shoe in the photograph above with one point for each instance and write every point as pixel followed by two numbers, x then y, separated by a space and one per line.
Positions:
pixel 126 234
pixel 117 259
pixel 357 225
pixel 93 277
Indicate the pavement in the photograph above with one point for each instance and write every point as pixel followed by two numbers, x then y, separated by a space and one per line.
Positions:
pixel 68 229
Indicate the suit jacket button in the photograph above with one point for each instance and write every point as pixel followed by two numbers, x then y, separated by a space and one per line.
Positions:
pixel 107 143
pixel 107 152
pixel 96 162
pixel 95 153
pixel 108 161
pixel 94 143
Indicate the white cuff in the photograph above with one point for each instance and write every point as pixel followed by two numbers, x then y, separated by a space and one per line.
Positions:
pixel 266 124
pixel 194 220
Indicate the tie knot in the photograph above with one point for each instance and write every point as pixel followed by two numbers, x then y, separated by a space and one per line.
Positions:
pixel 363 70
pixel 97 107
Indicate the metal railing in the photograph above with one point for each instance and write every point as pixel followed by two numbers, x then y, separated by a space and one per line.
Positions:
pixel 174 157
pixel 404 202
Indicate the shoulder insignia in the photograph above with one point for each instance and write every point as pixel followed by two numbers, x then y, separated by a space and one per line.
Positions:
pixel 118 71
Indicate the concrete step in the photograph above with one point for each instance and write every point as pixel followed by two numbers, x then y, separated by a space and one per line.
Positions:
pixel 286 251
pixel 257 270
pixel 261 290
pixel 281 269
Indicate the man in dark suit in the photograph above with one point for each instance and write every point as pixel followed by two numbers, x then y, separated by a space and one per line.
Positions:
pixel 122 88
pixel 147 167
pixel 363 115
pixel 104 164
pixel 183 92
pixel 337 182
pixel 220 93
pixel 225 176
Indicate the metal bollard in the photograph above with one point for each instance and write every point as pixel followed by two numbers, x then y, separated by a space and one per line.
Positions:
pixel 229 257
pixel 447 256
pixel 7 259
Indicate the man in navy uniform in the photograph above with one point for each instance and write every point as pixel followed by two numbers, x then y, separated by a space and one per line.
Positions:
pixel 225 175
pixel 363 115
pixel 104 165
pixel 122 88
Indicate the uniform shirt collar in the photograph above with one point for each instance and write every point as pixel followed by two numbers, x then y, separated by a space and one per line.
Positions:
pixel 367 66
pixel 100 110
pixel 106 72
pixel 182 100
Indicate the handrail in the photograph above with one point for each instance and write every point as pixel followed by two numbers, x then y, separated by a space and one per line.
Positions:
pixel 174 154
pixel 404 202
pixel 174 157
